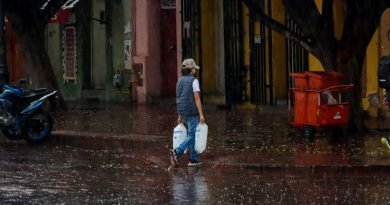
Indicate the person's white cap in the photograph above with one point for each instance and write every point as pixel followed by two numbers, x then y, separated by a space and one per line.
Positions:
pixel 190 63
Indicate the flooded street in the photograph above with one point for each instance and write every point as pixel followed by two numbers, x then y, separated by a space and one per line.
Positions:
pixel 119 155
pixel 98 172
pixel 78 173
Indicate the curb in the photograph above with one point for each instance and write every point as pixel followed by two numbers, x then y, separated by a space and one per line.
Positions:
pixel 84 134
pixel 278 170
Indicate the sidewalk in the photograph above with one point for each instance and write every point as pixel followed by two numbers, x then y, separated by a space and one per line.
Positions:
pixel 253 138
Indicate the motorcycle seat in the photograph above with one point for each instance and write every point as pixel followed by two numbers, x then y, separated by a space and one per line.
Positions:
pixel 34 93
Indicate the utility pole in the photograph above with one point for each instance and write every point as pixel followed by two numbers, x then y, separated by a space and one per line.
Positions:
pixel 3 55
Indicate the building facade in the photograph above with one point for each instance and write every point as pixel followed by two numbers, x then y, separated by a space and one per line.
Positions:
pixel 89 50
pixel 131 50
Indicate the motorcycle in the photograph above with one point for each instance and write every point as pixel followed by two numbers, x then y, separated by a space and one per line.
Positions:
pixel 23 114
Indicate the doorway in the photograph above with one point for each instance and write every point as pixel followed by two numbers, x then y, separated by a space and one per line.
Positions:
pixel 235 71
pixel 168 50
pixel 98 45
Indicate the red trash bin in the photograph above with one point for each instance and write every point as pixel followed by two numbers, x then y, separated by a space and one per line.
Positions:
pixel 301 82
pixel 318 80
pixel 312 109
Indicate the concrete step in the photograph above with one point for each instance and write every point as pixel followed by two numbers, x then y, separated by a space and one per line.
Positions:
pixel 93 95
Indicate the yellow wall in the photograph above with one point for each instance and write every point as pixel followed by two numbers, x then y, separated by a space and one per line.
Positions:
pixel 319 4
pixel 370 73
pixel 208 9
pixel 372 64
pixel 383 50
pixel 279 52
pixel 314 63
pixel 245 26
pixel 384 35
pixel 339 15
pixel 278 49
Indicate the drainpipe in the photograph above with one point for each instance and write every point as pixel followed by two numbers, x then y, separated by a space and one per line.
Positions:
pixel 3 55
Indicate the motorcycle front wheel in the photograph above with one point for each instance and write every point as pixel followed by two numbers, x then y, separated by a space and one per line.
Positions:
pixel 38 127
pixel 12 134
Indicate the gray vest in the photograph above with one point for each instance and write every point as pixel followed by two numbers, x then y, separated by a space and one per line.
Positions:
pixel 185 101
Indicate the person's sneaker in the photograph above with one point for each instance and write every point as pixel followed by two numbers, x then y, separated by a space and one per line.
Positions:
pixel 174 159
pixel 385 142
pixel 194 163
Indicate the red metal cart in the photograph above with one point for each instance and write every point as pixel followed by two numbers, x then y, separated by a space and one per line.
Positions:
pixel 318 101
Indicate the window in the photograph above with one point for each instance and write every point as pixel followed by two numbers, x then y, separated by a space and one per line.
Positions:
pixel 168 4
pixel 69 54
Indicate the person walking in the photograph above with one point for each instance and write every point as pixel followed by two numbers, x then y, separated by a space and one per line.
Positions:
pixel 189 109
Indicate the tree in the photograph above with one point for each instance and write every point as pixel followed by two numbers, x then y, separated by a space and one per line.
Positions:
pixel 345 54
pixel 29 19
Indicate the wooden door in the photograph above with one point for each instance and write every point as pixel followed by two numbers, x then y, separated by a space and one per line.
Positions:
pixel 168 52
pixel 15 59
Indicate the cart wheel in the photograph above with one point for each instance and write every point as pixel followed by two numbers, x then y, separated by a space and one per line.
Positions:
pixel 336 132
pixel 308 131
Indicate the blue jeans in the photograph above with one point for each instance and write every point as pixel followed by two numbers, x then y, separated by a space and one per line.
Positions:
pixel 192 123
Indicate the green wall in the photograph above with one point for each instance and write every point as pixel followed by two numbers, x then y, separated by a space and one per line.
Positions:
pixel 116 13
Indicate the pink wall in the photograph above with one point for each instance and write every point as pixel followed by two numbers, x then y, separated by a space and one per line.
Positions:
pixel 146 19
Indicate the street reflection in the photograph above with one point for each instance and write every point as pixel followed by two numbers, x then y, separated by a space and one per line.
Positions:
pixel 189 186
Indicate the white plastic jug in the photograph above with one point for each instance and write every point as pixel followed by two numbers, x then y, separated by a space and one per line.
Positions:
pixel 179 135
pixel 201 137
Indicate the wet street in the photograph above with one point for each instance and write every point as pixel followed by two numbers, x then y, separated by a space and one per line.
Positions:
pixel 98 172
pixel 104 156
